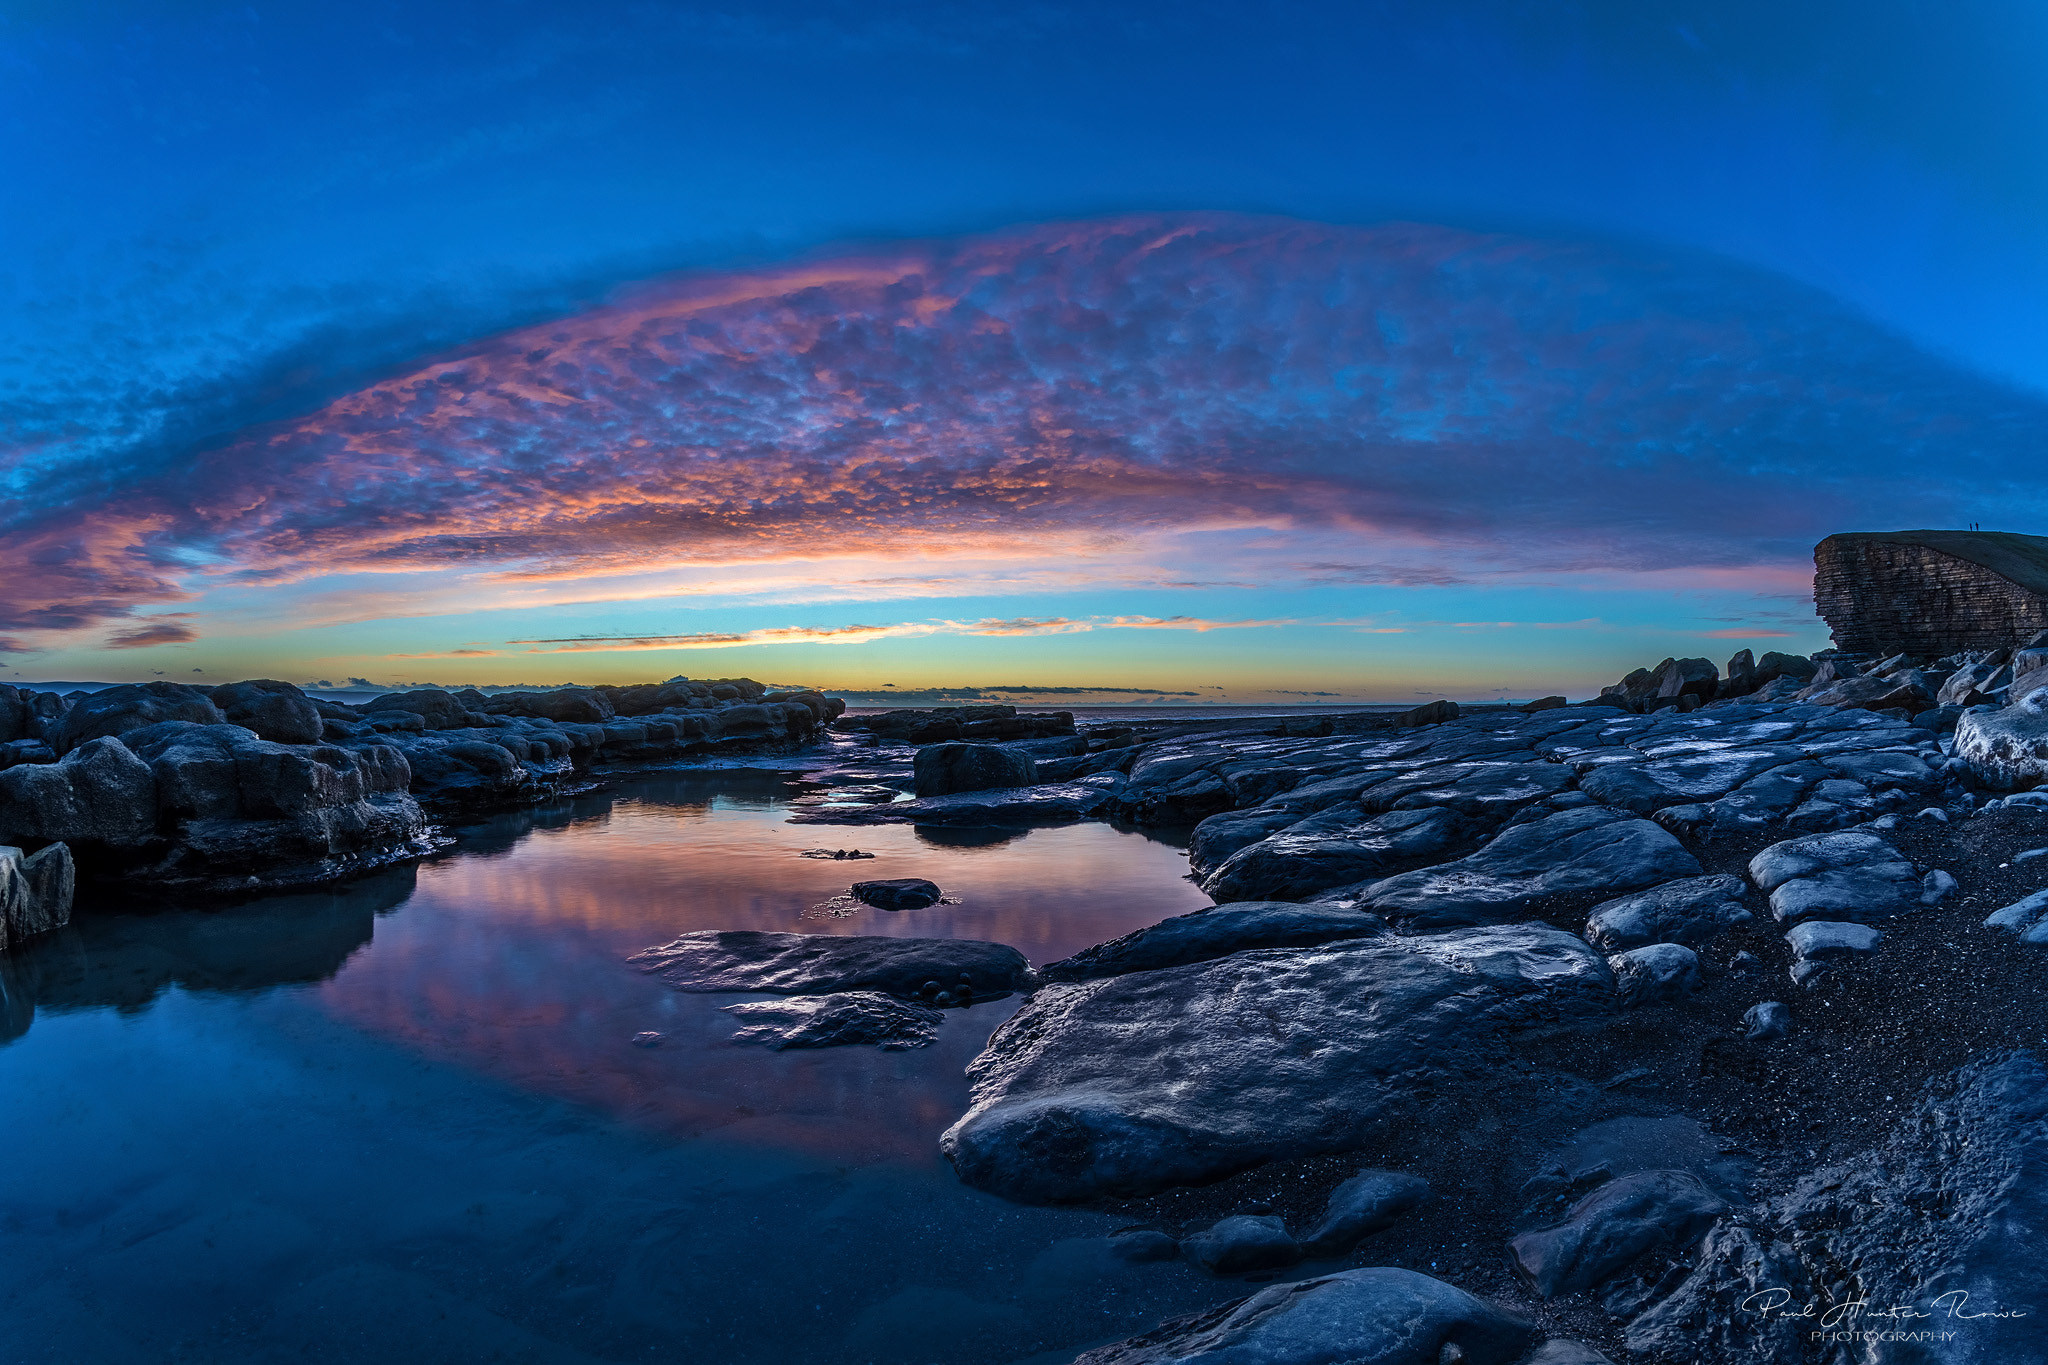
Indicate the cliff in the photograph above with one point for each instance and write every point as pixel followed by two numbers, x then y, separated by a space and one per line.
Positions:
pixel 1931 592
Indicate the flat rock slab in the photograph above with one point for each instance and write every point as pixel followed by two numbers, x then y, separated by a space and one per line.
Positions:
pixel 1587 854
pixel 1220 930
pixel 1134 1083
pixel 897 893
pixel 1052 804
pixel 1313 856
pixel 841 1020
pixel 1377 1316
pixel 820 964
pixel 1851 876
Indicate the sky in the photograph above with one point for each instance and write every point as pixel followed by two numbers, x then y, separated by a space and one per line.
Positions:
pixel 1227 352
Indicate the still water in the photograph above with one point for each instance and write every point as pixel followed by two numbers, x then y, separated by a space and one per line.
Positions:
pixel 402 1120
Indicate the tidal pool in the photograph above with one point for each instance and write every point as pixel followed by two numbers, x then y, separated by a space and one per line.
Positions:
pixel 402 1120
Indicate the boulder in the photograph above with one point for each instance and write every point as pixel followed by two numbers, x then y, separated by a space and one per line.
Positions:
pixel 2027 917
pixel 1376 1316
pixel 1691 911
pixel 1742 675
pixel 2008 748
pixel 437 709
pixel 1242 1243
pixel 1429 713
pixel 99 793
pixel 117 710
pixel 1852 875
pixel 897 893
pixel 1218 931
pixel 820 964
pixel 275 711
pixel 1873 694
pixel 575 705
pixel 1768 1020
pixel 1818 945
pixel 1658 971
pixel 839 1020
pixel 1585 855
pixel 1614 1226
pixel 1369 1202
pixel 1130 1084
pixel 1978 684
pixel 35 892
pixel 944 769
pixel 1773 666
pixel 1687 678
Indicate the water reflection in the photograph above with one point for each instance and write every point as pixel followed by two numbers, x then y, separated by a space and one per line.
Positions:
pixel 401 1119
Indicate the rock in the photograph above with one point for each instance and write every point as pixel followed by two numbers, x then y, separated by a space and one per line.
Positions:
pixel 1584 855
pixel 1873 694
pixel 1143 1246
pixel 1240 1244
pixel 1016 806
pixel 1429 713
pixel 2024 917
pixel 819 964
pixel 1936 887
pixel 35 892
pixel 1742 677
pixel 1818 945
pixel 1369 1202
pixel 117 710
pixel 897 893
pixel 1559 1351
pixel 2009 748
pixel 276 711
pixel 1659 971
pixel 1691 911
pixel 1312 856
pixel 943 769
pixel 1767 1020
pixel 1614 1226
pixel 1377 1316
pixel 1134 1083
pixel 838 1020
pixel 1218 931
pixel 1542 704
pixel 99 793
pixel 572 705
pixel 1979 684
pixel 1630 789
pixel 1774 666
pixel 1687 678
pixel 1846 876
pixel 437 709
pixel 1947 1217
pixel 648 1038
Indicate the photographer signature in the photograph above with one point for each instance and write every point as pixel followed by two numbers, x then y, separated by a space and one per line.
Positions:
pixel 1954 1304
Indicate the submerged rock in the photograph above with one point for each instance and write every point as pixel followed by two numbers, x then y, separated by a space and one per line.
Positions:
pixel 1218 931
pixel 897 893
pixel 1133 1083
pixel 1587 854
pixel 1378 1316
pixel 818 964
pixel 839 1020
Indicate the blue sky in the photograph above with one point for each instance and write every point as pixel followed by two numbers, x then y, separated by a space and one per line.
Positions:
pixel 1734 278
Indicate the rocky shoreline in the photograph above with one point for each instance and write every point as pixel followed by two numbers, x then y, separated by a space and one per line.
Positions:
pixel 1657 1027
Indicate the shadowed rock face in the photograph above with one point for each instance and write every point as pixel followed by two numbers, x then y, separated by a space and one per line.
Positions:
pixel 1137 1082
pixel 1931 592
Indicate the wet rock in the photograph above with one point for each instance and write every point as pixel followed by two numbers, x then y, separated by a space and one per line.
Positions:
pixel 1658 971
pixel 117 710
pixel 843 1019
pixel 2027 918
pixel 897 893
pixel 35 892
pixel 275 711
pixel 1847 876
pixel 1243 1243
pixel 1767 1021
pixel 1947 1217
pixel 819 964
pixel 1630 789
pixel 1589 854
pixel 99 793
pixel 1144 1246
pixel 1219 836
pixel 2009 748
pixel 1133 1083
pixel 648 1038
pixel 1369 1202
pixel 1304 859
pixel 943 769
pixel 1691 911
pixel 1818 945
pixel 1618 1223
pixel 1218 931
pixel 1377 1316
pixel 436 708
